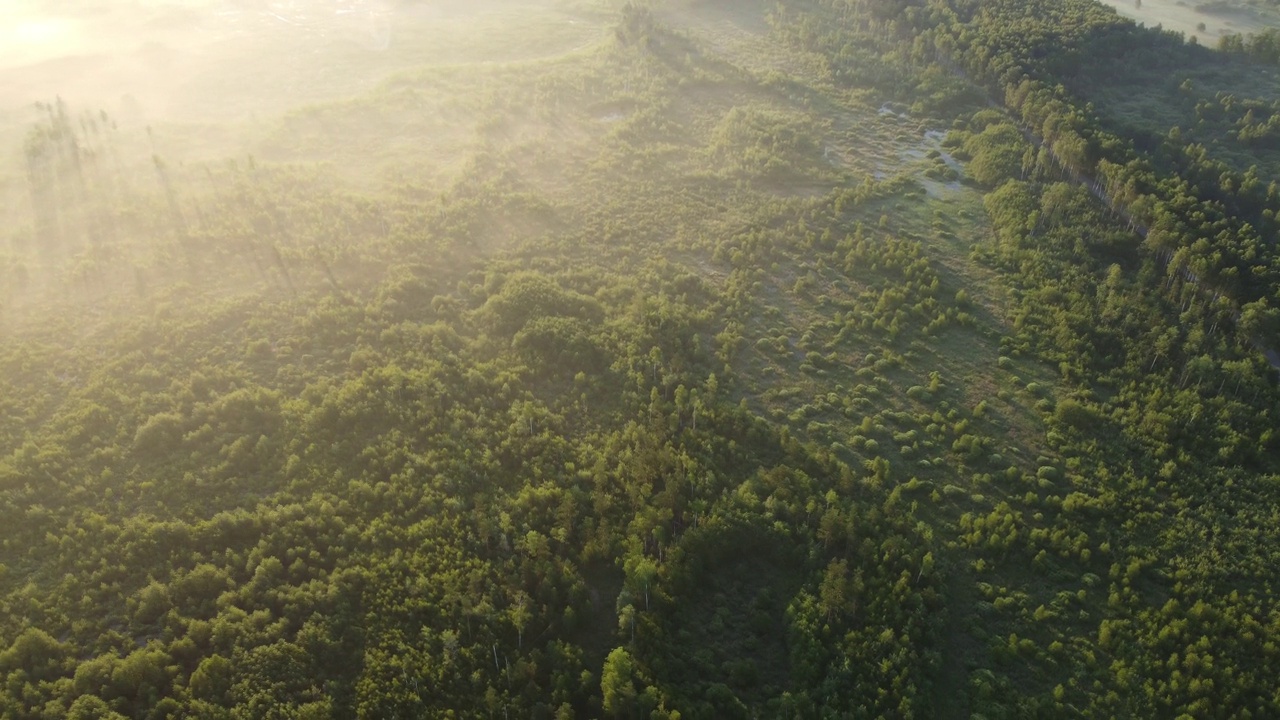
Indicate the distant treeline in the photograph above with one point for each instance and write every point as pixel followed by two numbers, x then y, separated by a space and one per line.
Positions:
pixel 1264 46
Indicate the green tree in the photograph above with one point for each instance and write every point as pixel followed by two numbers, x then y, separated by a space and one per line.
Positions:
pixel 834 591
pixel 617 683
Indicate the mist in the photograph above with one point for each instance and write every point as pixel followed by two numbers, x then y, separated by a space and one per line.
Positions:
pixel 160 95
pixel 211 59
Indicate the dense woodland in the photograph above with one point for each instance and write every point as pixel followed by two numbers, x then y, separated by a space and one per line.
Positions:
pixel 806 360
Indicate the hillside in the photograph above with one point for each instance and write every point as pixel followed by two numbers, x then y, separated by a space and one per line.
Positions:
pixel 570 358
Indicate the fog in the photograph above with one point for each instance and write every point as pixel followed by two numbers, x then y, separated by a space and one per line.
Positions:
pixel 125 124
pixel 215 78
pixel 200 72
pixel 215 60
pixel 197 59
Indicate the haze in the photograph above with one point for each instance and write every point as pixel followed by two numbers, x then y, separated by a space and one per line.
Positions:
pixel 221 59
pixel 208 80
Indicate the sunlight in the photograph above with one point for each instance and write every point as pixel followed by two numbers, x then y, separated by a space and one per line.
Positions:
pixel 31 40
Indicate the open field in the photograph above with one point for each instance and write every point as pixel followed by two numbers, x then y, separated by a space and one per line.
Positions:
pixel 1206 22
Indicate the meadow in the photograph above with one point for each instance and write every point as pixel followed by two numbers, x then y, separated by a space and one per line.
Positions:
pixel 1206 22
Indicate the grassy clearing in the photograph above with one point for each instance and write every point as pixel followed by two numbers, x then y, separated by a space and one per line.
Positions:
pixel 1204 21
pixel 1152 99
pixel 792 324
pixel 1203 93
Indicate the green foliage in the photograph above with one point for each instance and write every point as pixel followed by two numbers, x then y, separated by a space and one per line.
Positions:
pixel 617 684
pixel 659 406
pixel 995 154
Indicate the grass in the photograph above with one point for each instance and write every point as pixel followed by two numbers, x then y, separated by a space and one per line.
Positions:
pixel 1187 17
pixel 1145 97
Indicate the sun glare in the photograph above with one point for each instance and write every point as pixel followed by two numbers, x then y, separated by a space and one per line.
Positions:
pixel 40 32
pixel 33 39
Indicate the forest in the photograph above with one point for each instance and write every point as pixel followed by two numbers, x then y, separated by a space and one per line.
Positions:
pixel 671 359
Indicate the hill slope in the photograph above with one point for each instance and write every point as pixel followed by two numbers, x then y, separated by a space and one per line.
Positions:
pixel 739 363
